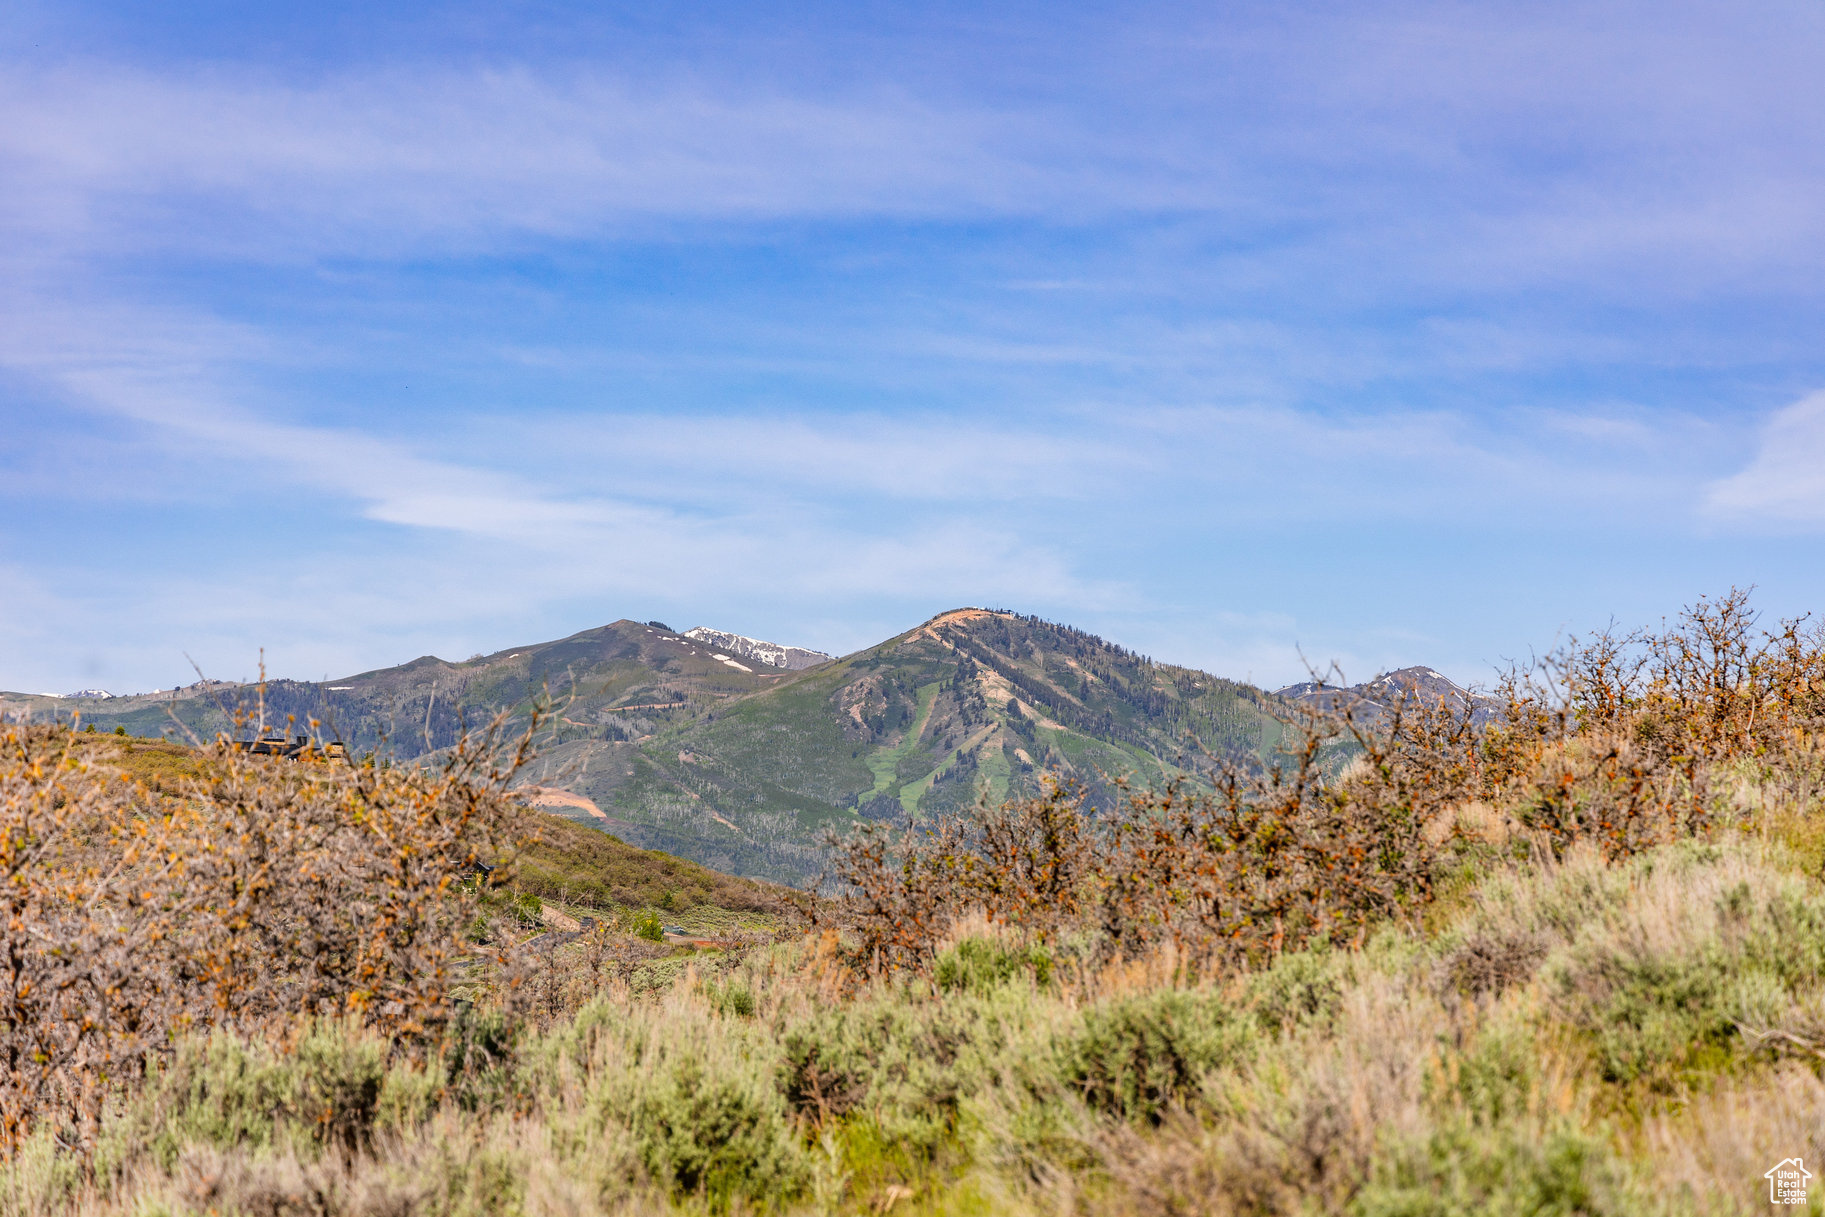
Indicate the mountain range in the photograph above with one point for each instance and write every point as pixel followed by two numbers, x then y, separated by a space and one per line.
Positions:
pixel 743 755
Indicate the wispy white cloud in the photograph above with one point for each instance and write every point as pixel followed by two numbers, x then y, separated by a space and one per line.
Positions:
pixel 1446 467
pixel 99 153
pixel 928 457
pixel 166 375
pixel 1417 142
pixel 407 548
pixel 552 481
pixel 1785 482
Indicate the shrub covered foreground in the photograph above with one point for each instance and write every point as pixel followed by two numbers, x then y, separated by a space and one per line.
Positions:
pixel 1571 963
pixel 1603 1069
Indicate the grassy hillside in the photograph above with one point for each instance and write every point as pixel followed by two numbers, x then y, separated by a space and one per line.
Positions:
pixel 163 765
pixel 578 866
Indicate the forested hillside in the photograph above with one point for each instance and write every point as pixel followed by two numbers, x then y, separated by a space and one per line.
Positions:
pixel 971 705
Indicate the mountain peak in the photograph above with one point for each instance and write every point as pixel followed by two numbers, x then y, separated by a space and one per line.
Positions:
pixel 1379 694
pixel 961 615
pixel 772 654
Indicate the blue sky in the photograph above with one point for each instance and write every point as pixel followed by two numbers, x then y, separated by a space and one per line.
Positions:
pixel 1388 334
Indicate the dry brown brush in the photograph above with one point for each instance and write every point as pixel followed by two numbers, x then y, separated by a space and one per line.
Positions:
pixel 1265 862
pixel 1631 740
pixel 263 894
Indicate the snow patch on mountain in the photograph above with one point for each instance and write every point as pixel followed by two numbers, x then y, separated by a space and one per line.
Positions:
pixel 1378 696
pixel 772 654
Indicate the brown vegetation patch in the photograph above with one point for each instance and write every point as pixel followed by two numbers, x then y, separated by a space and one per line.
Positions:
pixel 551 796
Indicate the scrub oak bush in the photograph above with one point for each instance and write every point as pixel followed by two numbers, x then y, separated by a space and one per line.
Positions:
pixel 1625 742
pixel 1265 863
pixel 257 893
pixel 1632 740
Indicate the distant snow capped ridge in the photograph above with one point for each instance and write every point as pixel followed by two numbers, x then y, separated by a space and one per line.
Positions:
pixel 1378 695
pixel 1416 678
pixel 773 654
pixel 104 695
